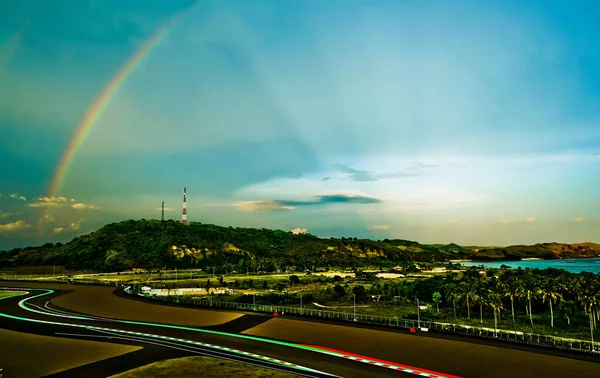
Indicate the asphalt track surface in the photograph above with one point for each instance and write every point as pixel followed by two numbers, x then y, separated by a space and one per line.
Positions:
pixel 447 355
pixel 34 313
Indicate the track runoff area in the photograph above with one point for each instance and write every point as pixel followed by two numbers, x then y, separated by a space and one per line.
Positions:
pixel 92 328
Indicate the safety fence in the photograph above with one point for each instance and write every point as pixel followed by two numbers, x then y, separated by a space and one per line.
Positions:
pixel 423 325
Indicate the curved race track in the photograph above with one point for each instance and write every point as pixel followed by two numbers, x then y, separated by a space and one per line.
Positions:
pixel 448 356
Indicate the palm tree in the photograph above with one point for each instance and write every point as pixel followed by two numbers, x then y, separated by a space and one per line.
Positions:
pixel 466 293
pixel 549 291
pixel 480 297
pixel 528 291
pixel 568 308
pixel 509 288
pixel 452 295
pixel 495 301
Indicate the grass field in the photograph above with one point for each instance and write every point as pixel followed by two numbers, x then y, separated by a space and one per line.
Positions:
pixel 8 293
pixel 205 367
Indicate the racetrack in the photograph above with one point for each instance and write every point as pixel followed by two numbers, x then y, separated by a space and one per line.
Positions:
pixel 449 356
pixel 34 313
pixel 100 301
pixel 456 357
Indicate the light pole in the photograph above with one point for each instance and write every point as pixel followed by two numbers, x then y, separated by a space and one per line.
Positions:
pixel 354 296
pixel 495 324
pixel 301 311
pixel 592 331
pixel 254 301
pixel 176 286
pixel 418 314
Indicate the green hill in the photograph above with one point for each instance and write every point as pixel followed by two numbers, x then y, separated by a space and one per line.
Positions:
pixel 154 244
pixel 455 249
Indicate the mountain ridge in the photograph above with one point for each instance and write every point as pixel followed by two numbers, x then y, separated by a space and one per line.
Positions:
pixel 152 243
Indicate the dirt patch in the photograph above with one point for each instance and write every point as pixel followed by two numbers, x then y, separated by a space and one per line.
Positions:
pixel 51 354
pixel 446 356
pixel 201 366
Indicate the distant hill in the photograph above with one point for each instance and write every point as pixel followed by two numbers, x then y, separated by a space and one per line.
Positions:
pixel 153 244
pixel 455 249
pixel 541 250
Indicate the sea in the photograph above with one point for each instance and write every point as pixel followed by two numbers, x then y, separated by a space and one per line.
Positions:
pixel 591 265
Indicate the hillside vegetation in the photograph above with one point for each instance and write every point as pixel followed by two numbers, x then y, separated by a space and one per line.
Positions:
pixel 156 244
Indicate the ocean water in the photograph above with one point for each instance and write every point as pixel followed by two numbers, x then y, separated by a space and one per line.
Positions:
pixel 591 265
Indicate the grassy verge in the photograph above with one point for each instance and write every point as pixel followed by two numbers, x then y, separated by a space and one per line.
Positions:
pixel 205 367
pixel 8 293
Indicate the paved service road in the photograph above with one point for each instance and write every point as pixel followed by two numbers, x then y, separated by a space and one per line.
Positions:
pixel 34 312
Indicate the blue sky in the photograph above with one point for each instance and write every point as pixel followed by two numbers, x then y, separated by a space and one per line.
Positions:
pixel 468 122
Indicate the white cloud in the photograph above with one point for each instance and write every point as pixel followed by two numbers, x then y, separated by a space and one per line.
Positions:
pixel 515 221
pixel 71 227
pixel 54 202
pixel 47 218
pixel 81 206
pixel 15 226
pixel 18 197
pixel 261 205
pixel 49 202
pixel 4 215
pixel 579 220
pixel 299 231
pixel 379 228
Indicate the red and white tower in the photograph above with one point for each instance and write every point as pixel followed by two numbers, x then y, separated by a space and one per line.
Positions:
pixel 184 214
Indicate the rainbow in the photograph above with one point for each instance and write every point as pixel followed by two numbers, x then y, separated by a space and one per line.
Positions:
pixel 96 109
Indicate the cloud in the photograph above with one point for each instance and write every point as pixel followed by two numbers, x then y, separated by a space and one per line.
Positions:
pixel 579 220
pixel 4 215
pixel 299 231
pixel 454 221
pixel 47 218
pixel 515 221
pixel 71 227
pixel 17 197
pixel 50 202
pixel 357 174
pixel 379 228
pixel 54 202
pixel 15 226
pixel 81 206
pixel 343 198
pixel 360 175
pixel 279 205
pixel 262 205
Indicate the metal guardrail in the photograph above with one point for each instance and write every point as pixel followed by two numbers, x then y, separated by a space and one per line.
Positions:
pixel 501 334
